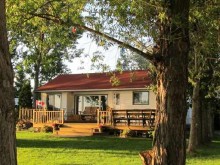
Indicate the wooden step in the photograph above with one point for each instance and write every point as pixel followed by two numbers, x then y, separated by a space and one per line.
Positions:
pixel 79 125
pixel 100 134
pixel 77 129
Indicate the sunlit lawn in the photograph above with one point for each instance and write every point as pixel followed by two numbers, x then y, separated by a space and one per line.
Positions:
pixel 45 149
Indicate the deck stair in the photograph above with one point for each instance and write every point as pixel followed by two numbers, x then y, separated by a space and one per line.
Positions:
pixel 77 129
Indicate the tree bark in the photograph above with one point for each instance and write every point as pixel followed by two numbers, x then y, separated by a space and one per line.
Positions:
pixel 169 146
pixel 207 123
pixel 7 110
pixel 195 127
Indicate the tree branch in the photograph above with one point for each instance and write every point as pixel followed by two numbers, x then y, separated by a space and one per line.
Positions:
pixel 55 19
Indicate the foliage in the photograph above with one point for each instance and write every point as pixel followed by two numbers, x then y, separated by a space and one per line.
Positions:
pixel 204 55
pixel 25 95
pixel 158 31
pixel 24 124
pixel 203 66
pixel 131 61
pixel 19 79
pixel 136 25
pixel 47 129
pixel 44 45
pixel 114 80
pixel 128 133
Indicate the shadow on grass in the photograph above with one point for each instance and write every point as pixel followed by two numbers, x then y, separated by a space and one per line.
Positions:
pixel 97 143
pixel 209 151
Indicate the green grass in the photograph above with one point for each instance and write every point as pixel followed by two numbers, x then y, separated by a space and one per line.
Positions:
pixel 206 155
pixel 45 149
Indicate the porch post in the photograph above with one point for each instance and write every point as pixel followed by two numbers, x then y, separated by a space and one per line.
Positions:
pixel 98 121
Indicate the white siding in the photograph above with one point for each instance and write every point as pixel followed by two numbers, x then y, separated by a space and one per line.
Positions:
pixel 126 101
pixel 63 100
pixel 70 102
pixel 44 99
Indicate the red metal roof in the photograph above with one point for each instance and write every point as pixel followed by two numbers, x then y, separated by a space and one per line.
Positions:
pixel 93 81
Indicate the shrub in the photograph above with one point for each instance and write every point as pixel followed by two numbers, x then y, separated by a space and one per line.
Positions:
pixel 23 124
pixel 127 133
pixel 47 129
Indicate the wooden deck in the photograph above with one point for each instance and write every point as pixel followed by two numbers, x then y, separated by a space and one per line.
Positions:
pixel 90 129
pixel 76 130
pixel 137 120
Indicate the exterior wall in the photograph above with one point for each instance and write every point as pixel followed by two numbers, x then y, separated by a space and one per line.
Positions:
pixel 126 101
pixel 70 102
pixel 44 98
pixel 63 105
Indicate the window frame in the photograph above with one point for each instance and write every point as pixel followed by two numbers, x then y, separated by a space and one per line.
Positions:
pixel 140 103
pixel 117 100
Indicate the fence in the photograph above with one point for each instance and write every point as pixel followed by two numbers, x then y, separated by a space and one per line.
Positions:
pixel 42 116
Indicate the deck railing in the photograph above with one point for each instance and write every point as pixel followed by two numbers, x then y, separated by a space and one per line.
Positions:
pixel 25 114
pixel 48 117
pixel 104 117
pixel 134 117
pixel 129 117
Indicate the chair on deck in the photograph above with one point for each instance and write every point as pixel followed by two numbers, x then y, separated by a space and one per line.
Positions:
pixel 89 113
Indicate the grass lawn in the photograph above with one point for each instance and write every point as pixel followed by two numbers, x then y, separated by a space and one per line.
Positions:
pixel 45 149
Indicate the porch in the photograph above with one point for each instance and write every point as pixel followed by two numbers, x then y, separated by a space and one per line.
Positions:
pixel 91 121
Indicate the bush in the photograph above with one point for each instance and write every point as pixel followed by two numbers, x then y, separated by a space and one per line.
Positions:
pixel 127 133
pixel 47 129
pixel 23 124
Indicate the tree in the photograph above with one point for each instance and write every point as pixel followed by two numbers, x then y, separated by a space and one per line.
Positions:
pixel 25 95
pixel 7 113
pixel 131 61
pixel 20 77
pixel 45 45
pixel 133 25
pixel 203 63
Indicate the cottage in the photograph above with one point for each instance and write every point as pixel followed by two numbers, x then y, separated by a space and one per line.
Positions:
pixel 79 94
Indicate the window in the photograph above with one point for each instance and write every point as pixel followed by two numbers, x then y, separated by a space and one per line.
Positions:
pixel 140 98
pixel 117 99
pixel 92 101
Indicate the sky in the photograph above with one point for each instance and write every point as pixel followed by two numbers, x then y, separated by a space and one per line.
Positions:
pixel 83 65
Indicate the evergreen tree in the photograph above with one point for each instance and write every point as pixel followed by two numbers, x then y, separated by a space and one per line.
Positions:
pixel 19 78
pixel 25 95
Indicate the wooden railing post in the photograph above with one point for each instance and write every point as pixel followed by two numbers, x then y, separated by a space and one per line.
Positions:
pixel 62 116
pixel 98 120
pixel 33 117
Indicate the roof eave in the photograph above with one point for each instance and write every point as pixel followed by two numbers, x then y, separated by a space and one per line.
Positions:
pixel 89 90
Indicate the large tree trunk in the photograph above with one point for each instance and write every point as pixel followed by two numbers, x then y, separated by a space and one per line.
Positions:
pixel 169 143
pixel 169 146
pixel 7 109
pixel 207 123
pixel 195 127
